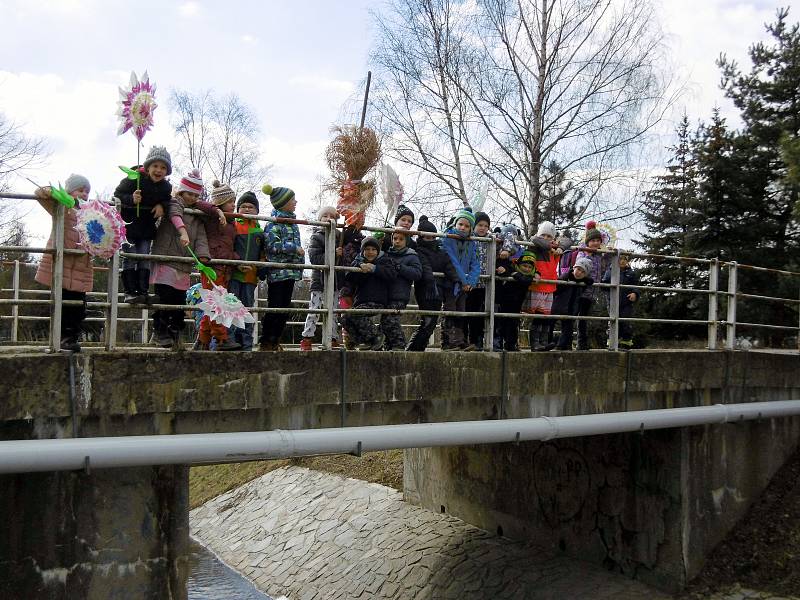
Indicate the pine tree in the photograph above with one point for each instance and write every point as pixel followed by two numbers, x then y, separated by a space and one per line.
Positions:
pixel 561 203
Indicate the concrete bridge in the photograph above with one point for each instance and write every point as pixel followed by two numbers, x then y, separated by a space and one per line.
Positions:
pixel 650 504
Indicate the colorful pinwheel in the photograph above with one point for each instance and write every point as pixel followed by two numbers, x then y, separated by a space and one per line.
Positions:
pixel 101 230
pixel 221 306
pixel 137 105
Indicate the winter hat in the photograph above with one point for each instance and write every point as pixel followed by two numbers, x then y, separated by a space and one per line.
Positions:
pixel 221 193
pixel 403 211
pixel 527 257
pixel 426 225
pixel 279 196
pixel 76 182
pixel 592 232
pixel 158 153
pixel 370 241
pixel 546 228
pixel 249 198
pixel 482 216
pixel 584 263
pixel 191 182
pixel 465 213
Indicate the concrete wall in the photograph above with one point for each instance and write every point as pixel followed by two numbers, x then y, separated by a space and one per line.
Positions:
pixel 624 480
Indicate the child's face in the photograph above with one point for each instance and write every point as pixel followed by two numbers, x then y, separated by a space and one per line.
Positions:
pixel 579 272
pixel 189 198
pixel 290 205
pixel 404 222
pixel 398 241
pixel 547 237
pixel 623 262
pixel 525 268
pixel 463 226
pixel 370 253
pixel 245 208
pixel 157 170
pixel 594 243
pixel 228 206
pixel 328 215
pixel 82 193
pixel 426 237
pixel 481 229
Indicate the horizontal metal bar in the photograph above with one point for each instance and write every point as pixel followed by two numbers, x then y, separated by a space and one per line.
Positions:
pixel 24 456
pixel 771 298
pixel 765 326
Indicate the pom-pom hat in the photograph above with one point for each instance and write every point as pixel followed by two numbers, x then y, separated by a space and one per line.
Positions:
pixel 278 196
pixel 426 225
pixel 191 182
pixel 592 232
pixel 221 193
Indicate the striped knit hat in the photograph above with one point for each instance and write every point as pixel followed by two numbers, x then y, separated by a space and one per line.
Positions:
pixel 465 213
pixel 221 193
pixel 279 196
pixel 191 182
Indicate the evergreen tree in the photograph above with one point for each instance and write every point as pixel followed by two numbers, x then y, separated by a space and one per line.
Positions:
pixel 561 203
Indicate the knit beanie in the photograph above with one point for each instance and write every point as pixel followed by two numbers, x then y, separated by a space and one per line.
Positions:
pixel 279 196
pixel 191 182
pixel 527 257
pixel 249 198
pixel 584 263
pixel 221 193
pixel 465 213
pixel 592 232
pixel 403 211
pixel 158 153
pixel 76 182
pixel 370 241
pixel 546 228
pixel 426 225
pixel 482 216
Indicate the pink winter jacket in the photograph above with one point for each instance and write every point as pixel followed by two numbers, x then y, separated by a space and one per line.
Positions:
pixel 77 268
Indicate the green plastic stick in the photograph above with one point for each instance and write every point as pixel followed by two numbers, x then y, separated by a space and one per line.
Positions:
pixel 207 271
pixel 59 194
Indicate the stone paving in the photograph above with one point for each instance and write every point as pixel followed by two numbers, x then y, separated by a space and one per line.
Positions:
pixel 314 536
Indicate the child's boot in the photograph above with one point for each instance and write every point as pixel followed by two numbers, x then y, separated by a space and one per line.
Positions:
pixel 227 345
pixel 144 286
pixel 130 285
pixel 306 345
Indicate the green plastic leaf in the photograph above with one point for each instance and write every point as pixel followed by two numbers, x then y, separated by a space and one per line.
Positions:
pixel 60 195
pixel 205 270
pixel 133 174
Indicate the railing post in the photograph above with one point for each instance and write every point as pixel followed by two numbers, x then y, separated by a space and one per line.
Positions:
pixel 613 306
pixel 730 341
pixel 713 286
pixel 145 320
pixel 15 307
pixel 491 266
pixel 329 277
pixel 57 277
pixel 113 298
pixel 256 314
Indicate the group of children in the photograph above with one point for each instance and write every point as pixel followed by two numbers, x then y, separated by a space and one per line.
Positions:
pixel 447 273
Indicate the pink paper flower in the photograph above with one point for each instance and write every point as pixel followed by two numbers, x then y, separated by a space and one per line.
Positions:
pixel 137 105
pixel 224 308
pixel 100 228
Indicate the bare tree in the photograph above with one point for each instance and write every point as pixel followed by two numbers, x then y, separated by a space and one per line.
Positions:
pixel 18 151
pixel 219 135
pixel 529 82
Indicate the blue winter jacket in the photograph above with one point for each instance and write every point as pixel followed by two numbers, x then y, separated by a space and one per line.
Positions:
pixel 463 254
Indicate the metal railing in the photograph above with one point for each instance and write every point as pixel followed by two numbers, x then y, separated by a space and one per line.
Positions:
pixel 111 305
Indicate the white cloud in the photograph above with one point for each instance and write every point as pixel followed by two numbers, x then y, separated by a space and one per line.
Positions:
pixel 189 9
pixel 249 39
pixel 321 83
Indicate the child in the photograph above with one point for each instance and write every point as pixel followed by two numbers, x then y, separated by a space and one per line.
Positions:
pixel 430 291
pixel 567 299
pixel 371 290
pixel 221 234
pixel 627 298
pixel 316 254
pixel 510 294
pixel 249 244
pixel 171 280
pixel 143 203
pixel 540 296
pixel 403 219
pixel 463 253
pixel 476 297
pixel 593 241
pixel 283 246
pixel 78 275
pixel 409 270
pixel 351 248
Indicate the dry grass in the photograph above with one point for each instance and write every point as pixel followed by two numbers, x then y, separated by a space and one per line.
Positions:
pixel 352 153
pixel 208 482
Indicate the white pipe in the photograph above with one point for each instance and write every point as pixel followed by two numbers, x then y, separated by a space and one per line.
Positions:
pixel 24 456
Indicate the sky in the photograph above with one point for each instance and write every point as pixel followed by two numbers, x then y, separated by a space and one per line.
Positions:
pixel 295 63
